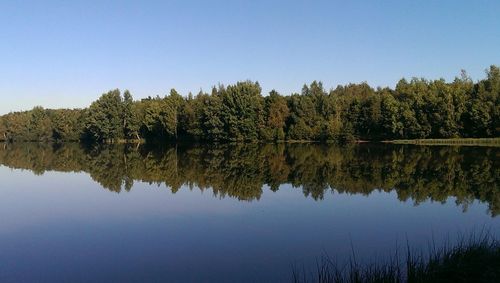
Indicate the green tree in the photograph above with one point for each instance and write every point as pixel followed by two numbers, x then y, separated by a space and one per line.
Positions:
pixel 3 129
pixel 277 113
pixel 212 116
pixel 391 123
pixel 40 125
pixel 67 124
pixel 104 119
pixel 131 122
pixel 417 108
pixel 243 110
pixel 160 118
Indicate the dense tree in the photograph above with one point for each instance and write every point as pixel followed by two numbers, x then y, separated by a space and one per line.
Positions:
pixel 277 113
pixel 211 116
pixel 302 119
pixel 390 121
pixel 190 118
pixel 160 118
pixel 3 129
pixel 131 119
pixel 40 125
pixel 242 110
pixel 17 126
pixel 67 124
pixel 104 118
pixel 416 108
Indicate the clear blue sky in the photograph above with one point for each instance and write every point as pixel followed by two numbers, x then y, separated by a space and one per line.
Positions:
pixel 67 53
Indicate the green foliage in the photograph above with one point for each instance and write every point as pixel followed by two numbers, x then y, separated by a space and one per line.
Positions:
pixel 277 113
pixel 189 118
pixel 160 118
pixel 131 120
pixel 211 116
pixel 3 129
pixel 67 125
pixel 415 109
pixel 104 118
pixel 242 110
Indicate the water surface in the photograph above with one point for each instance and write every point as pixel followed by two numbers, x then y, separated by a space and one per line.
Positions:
pixel 234 213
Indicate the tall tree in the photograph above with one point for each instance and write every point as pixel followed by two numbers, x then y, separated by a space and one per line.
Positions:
pixel 277 113
pixel 242 110
pixel 40 125
pixel 131 122
pixel 104 119
pixel 417 108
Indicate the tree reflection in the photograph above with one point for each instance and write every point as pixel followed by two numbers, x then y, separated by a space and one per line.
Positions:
pixel 241 171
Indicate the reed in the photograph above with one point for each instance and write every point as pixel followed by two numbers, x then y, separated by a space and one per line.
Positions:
pixel 472 259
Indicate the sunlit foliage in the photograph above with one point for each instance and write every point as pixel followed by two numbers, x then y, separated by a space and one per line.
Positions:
pixel 415 109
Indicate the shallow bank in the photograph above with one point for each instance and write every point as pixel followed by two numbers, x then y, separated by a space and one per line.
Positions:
pixel 458 141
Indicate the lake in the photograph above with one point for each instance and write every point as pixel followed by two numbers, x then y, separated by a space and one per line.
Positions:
pixel 232 213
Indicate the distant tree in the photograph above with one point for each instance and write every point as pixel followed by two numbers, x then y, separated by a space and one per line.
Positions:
pixel 416 108
pixel 242 110
pixel 160 118
pixel 3 129
pixel 491 98
pixel 67 124
pixel 190 118
pixel 461 89
pixel 131 122
pixel 212 117
pixel 391 123
pixel 302 117
pixel 277 113
pixel 40 125
pixel 104 119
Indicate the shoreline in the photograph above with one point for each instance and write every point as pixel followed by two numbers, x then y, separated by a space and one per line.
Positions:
pixel 495 142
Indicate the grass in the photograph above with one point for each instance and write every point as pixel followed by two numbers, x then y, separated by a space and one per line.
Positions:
pixel 476 259
pixel 457 141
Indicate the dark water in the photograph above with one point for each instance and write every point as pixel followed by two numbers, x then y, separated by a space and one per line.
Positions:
pixel 242 213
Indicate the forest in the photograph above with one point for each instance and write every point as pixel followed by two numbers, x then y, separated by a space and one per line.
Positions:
pixel 244 170
pixel 414 109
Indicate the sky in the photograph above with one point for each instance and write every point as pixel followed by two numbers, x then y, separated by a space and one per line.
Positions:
pixel 65 54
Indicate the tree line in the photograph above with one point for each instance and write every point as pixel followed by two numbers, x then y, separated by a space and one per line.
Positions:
pixel 244 170
pixel 416 108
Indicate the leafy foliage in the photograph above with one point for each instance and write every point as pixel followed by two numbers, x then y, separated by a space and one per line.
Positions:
pixel 415 109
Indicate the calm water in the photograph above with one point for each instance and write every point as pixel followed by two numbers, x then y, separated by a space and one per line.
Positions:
pixel 242 213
